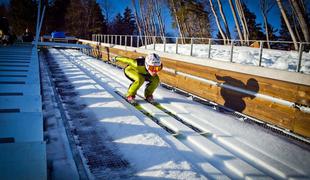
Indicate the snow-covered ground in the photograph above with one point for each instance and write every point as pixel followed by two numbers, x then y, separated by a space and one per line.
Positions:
pixel 277 59
pixel 227 148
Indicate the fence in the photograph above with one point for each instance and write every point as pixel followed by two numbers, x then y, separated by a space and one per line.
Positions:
pixel 279 55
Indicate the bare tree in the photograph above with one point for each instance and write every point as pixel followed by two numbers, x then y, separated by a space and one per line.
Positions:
pixel 224 19
pixel 159 19
pixel 301 19
pixel 217 22
pixel 106 8
pixel 138 21
pixel 265 7
pixel 287 23
pixel 235 19
pixel 243 21
pixel 174 11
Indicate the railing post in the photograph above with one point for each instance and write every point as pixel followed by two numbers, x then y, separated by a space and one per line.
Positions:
pixel 125 40
pixel 104 38
pixel 138 41
pixel 164 44
pixel 232 51
pixel 131 39
pixel 112 39
pixel 191 51
pixel 145 41
pixel 120 40
pixel 176 45
pixel 260 53
pixel 154 40
pixel 209 54
pixel 301 48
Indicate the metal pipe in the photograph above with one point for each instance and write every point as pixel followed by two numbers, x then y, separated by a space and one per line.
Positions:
pixel 260 53
pixel 145 41
pixel 131 39
pixel 164 44
pixel 38 21
pixel 191 51
pixel 176 45
pixel 301 47
pixel 232 51
pixel 125 41
pixel 209 54
pixel 42 17
pixel 258 95
pixel 154 40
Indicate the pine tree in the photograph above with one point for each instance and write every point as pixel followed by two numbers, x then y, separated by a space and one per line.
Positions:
pixel 55 15
pixel 118 25
pixel 22 14
pixel 129 22
pixel 84 18
pixel 284 33
pixel 255 30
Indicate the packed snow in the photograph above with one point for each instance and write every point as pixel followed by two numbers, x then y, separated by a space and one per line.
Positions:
pixel 271 58
pixel 232 148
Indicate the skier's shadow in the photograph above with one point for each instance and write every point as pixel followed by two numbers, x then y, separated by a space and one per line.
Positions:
pixel 234 99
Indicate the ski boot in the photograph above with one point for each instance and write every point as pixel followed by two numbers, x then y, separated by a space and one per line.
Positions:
pixel 131 100
pixel 150 99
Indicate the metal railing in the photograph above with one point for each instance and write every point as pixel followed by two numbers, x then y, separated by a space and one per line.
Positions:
pixel 252 52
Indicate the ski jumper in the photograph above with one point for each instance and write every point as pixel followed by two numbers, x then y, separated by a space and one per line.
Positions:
pixel 137 73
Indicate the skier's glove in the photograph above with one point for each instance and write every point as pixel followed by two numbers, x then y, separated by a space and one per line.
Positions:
pixel 113 59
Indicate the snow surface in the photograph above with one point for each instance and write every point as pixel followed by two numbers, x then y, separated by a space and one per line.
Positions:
pixel 277 59
pixel 155 154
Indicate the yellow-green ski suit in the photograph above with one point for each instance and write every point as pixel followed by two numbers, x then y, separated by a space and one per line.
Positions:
pixel 137 73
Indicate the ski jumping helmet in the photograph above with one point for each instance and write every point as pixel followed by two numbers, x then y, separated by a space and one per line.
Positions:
pixel 152 59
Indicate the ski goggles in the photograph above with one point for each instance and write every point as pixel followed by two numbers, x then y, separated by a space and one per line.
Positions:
pixel 154 68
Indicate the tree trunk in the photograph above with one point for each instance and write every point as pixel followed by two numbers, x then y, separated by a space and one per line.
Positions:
pixel 265 8
pixel 217 22
pixel 236 20
pixel 137 18
pixel 243 21
pixel 173 5
pixel 160 20
pixel 266 29
pixel 224 19
pixel 287 23
pixel 301 20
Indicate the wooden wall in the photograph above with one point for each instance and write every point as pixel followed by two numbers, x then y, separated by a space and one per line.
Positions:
pixel 289 118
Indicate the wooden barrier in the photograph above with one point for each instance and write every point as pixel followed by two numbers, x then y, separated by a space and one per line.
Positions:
pixel 271 100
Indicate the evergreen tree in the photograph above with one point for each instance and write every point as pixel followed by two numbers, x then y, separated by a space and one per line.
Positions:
pixel 22 14
pixel 3 10
pixel 84 18
pixel 55 15
pixel 118 25
pixel 98 23
pixel 255 30
pixel 129 22
pixel 284 33
pixel 124 25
